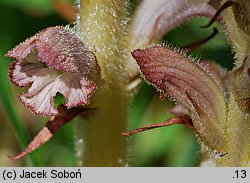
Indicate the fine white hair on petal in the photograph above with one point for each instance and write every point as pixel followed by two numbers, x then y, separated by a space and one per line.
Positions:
pixel 154 18
pixel 54 61
pixel 191 86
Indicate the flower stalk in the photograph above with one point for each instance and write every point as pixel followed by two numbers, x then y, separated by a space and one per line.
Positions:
pixel 102 26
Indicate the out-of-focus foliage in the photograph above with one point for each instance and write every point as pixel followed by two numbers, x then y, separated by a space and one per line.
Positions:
pixel 35 7
pixel 169 146
pixel 18 125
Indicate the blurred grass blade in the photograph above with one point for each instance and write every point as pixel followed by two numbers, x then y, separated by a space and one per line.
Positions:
pixel 140 105
pixel 6 100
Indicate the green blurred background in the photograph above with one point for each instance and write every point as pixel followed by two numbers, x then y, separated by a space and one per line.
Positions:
pixel 168 146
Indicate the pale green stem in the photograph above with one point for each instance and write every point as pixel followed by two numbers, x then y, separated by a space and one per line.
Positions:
pixel 237 30
pixel 102 24
pixel 237 137
pixel 237 133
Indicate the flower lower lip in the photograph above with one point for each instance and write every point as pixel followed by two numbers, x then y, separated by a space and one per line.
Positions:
pixel 62 63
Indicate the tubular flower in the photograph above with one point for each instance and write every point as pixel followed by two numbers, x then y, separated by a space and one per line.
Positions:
pixel 54 61
pixel 213 100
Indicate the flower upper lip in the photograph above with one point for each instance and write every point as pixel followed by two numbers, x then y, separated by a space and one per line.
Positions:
pixel 192 88
pixel 59 48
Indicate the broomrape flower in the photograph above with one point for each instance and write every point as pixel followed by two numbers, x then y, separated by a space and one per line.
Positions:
pixel 54 61
pixel 212 101
pixel 215 100
pixel 95 57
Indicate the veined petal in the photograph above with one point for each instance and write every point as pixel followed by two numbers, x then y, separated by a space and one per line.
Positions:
pixel 47 83
pixel 154 18
pixel 54 61
pixel 190 86
pixel 216 72
pixel 59 48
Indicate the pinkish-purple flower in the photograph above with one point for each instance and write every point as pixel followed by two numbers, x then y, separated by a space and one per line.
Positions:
pixel 54 61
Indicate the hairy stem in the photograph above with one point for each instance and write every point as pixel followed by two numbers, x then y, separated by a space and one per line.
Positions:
pixel 102 24
pixel 237 138
pixel 237 25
